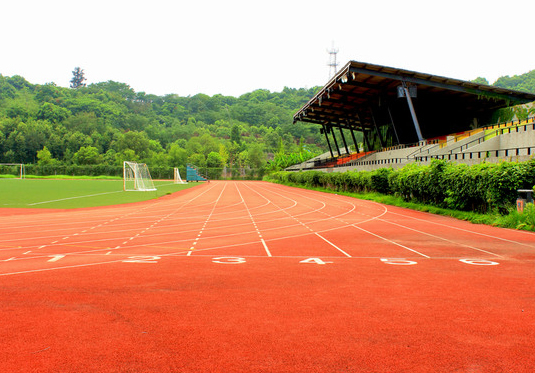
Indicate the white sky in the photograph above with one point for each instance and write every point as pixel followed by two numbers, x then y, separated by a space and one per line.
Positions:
pixel 236 46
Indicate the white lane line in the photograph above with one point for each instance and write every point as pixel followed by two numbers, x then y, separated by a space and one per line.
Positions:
pixel 201 231
pixel 88 264
pixel 57 268
pixel 466 230
pixel 266 248
pixel 442 238
pixel 333 245
pixel 393 242
pixel 294 217
pixel 55 258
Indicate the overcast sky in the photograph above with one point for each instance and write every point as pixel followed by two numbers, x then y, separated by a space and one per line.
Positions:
pixel 233 47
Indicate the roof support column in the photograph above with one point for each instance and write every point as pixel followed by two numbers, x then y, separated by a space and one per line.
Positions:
pixel 325 129
pixel 366 141
pixel 393 126
pixel 335 143
pixel 343 139
pixel 377 129
pixel 413 113
pixel 354 140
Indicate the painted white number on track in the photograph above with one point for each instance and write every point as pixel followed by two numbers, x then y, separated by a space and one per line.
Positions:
pixel 314 261
pixel 479 262
pixel 228 260
pixel 399 262
pixel 142 259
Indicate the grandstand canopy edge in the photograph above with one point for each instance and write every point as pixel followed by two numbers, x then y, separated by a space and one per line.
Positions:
pixel 388 106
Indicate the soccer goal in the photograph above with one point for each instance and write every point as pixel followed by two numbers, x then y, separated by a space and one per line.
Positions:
pixel 178 179
pixel 16 169
pixel 136 176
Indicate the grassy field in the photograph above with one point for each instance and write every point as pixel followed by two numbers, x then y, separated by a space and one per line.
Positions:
pixel 74 193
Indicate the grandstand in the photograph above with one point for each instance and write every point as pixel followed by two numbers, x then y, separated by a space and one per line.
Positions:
pixel 192 174
pixel 401 116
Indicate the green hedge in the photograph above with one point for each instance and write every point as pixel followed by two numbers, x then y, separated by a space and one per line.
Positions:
pixel 482 187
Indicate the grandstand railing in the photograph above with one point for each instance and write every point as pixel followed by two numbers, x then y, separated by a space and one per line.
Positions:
pixel 423 147
pixel 493 132
pixel 482 154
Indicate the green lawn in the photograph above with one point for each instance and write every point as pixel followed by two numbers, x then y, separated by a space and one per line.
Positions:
pixel 68 194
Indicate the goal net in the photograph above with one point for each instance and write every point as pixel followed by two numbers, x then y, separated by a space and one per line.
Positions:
pixel 136 176
pixel 178 179
pixel 12 169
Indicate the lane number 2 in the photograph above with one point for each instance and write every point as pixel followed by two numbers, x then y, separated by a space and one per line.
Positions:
pixel 142 259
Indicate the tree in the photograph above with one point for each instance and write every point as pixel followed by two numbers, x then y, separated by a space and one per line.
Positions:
pixel 52 112
pixel 214 160
pixel 87 155
pixel 235 134
pixel 177 155
pixel 255 155
pixel 197 160
pixel 124 125
pixel 480 80
pixel 136 141
pixel 44 156
pixel 78 78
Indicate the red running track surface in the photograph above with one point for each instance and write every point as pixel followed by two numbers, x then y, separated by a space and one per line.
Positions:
pixel 257 277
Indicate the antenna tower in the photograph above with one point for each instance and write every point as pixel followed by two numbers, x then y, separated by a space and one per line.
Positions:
pixel 333 65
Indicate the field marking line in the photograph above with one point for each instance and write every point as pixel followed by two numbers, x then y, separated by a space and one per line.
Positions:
pixel 76 197
pixel 65 199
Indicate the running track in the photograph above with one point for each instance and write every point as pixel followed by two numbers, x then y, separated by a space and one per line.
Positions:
pixel 258 277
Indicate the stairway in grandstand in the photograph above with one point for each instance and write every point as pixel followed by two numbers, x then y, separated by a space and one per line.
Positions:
pixel 513 140
pixel 192 174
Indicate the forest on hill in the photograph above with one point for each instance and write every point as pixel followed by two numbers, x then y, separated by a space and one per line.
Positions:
pixel 107 123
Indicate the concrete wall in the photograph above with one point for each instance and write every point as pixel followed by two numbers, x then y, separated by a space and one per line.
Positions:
pixel 509 144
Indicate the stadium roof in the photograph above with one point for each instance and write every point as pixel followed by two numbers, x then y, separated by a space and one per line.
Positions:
pixel 348 99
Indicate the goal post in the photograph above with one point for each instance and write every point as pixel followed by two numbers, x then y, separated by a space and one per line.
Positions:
pixel 136 177
pixel 15 169
pixel 177 178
